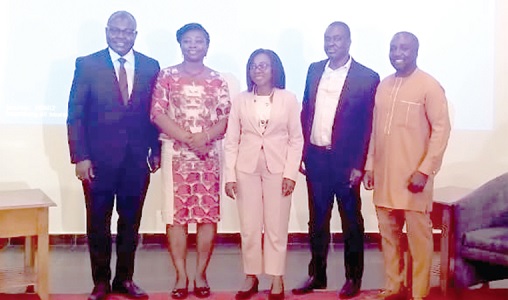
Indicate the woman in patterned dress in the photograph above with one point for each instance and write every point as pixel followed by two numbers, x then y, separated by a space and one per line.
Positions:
pixel 190 107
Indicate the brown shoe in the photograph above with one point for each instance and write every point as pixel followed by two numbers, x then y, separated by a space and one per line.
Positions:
pixel 394 295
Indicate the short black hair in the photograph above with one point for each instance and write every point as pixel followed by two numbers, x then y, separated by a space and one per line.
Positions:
pixel 411 35
pixel 278 74
pixel 343 25
pixel 191 26
pixel 122 14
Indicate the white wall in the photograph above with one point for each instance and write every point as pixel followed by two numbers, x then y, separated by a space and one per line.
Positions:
pixel 36 155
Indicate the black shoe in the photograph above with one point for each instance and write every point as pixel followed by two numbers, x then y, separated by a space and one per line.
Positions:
pixel 241 295
pixel 350 288
pixel 279 296
pixel 310 285
pixel 100 291
pixel 180 293
pixel 129 289
pixel 202 291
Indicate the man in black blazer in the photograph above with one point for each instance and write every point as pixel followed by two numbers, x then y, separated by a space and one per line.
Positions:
pixel 336 121
pixel 111 139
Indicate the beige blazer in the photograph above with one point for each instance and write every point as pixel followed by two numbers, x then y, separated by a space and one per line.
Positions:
pixel 282 141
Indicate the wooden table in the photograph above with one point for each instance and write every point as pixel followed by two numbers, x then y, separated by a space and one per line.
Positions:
pixel 24 213
pixel 442 218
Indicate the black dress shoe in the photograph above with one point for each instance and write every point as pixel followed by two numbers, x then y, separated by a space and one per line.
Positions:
pixel 350 289
pixel 129 289
pixel 181 293
pixel 241 295
pixel 310 285
pixel 279 296
pixel 202 291
pixel 100 292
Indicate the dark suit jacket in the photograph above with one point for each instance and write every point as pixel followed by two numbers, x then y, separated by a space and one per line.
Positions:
pixel 100 127
pixel 353 119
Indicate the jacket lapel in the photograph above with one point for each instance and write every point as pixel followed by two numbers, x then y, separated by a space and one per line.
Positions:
pixel 252 112
pixel 346 88
pixel 316 78
pixel 109 75
pixel 137 76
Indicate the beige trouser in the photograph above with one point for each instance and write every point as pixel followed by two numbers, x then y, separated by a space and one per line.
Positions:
pixel 262 207
pixel 419 235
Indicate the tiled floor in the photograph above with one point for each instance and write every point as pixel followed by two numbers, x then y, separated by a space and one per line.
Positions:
pixel 70 268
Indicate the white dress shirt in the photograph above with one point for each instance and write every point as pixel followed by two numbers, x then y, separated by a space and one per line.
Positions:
pixel 129 65
pixel 327 99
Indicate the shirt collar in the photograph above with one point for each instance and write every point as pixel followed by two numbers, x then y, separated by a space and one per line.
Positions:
pixel 129 57
pixel 345 67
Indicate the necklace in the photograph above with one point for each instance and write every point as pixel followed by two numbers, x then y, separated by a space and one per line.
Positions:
pixel 270 96
pixel 263 104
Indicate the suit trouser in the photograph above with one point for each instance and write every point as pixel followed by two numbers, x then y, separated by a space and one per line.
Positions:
pixel 129 183
pixel 262 207
pixel 419 235
pixel 324 185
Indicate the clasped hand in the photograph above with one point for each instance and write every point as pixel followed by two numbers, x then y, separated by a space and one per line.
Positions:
pixel 197 142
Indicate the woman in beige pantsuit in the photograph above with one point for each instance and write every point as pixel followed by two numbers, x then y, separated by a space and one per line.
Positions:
pixel 263 149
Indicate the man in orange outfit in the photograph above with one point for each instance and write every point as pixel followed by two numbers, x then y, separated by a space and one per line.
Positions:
pixel 410 133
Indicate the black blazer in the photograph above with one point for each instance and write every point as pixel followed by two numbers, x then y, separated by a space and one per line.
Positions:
pixel 99 126
pixel 353 119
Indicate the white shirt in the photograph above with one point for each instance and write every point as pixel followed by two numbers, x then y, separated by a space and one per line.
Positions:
pixel 129 65
pixel 327 99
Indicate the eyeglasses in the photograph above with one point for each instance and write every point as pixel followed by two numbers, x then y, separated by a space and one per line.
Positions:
pixel 126 32
pixel 261 66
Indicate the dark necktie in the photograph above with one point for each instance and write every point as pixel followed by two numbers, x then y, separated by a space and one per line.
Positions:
pixel 122 80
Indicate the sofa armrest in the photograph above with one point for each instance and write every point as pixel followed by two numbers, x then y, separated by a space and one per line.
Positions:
pixel 485 207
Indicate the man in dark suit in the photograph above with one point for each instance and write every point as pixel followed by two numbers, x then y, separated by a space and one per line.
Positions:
pixel 111 139
pixel 336 121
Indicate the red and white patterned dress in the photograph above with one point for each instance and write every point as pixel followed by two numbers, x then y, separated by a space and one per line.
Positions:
pixel 191 184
